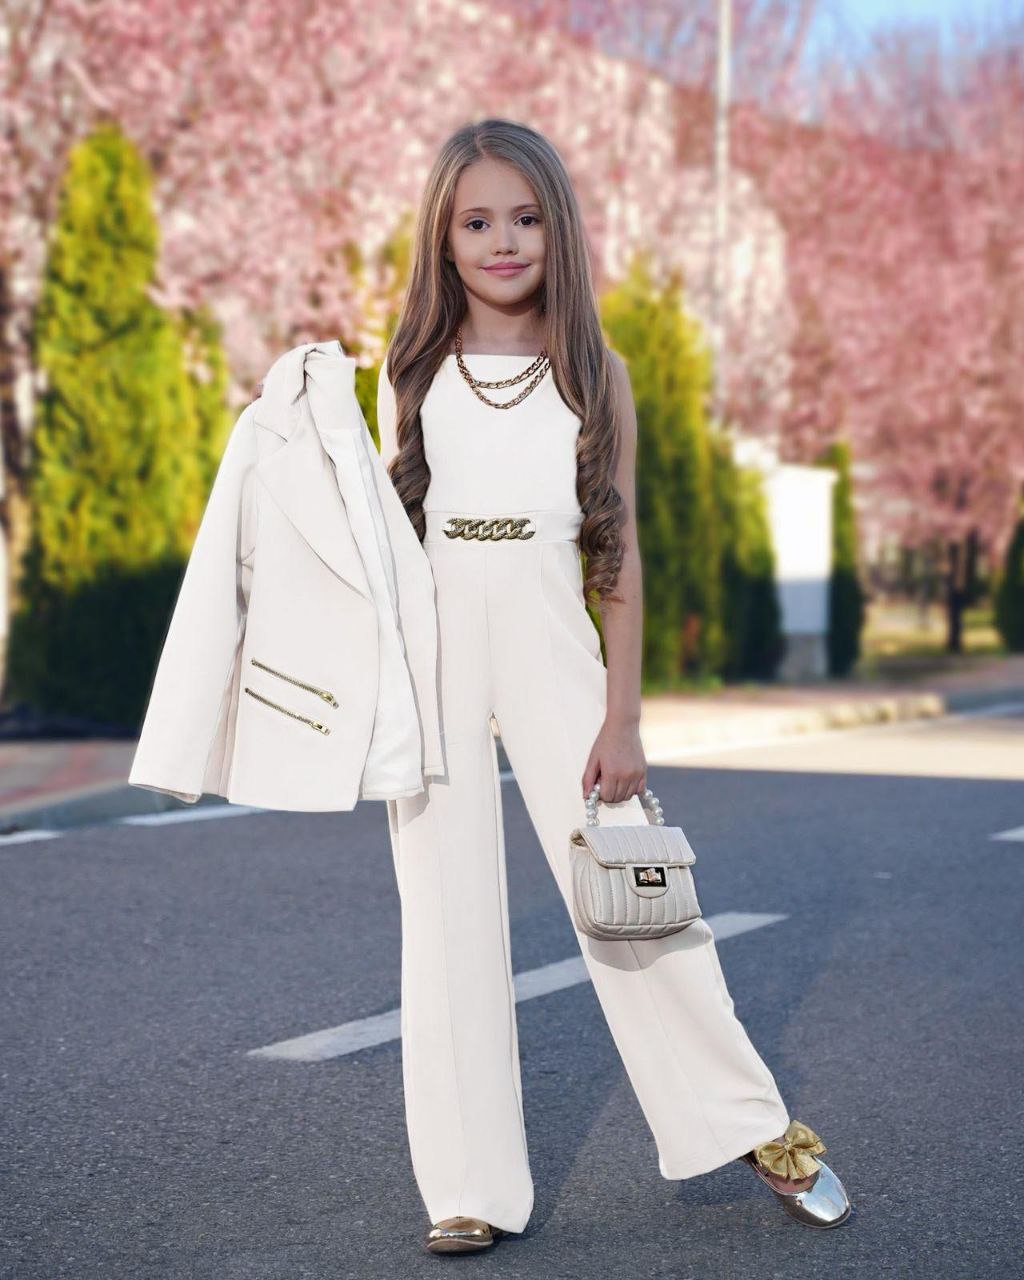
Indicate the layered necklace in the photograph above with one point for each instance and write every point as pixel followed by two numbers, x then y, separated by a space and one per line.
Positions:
pixel 536 371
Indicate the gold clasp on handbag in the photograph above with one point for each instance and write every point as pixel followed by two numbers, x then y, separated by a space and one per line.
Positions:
pixel 649 875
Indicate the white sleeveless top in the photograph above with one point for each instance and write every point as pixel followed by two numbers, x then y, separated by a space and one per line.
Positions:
pixel 486 461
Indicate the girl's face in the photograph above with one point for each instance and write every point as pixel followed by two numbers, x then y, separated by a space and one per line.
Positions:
pixel 495 223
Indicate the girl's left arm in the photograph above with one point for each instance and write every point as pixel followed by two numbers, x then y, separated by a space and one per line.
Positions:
pixel 617 758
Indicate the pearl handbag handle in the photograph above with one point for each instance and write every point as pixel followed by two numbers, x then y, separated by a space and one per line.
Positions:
pixel 647 798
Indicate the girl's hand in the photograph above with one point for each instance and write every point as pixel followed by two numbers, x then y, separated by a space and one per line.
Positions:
pixel 617 762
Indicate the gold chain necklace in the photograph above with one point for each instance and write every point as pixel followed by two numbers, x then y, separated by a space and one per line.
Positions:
pixel 539 367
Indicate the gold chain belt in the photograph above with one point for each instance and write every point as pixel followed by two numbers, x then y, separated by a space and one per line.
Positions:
pixel 489 528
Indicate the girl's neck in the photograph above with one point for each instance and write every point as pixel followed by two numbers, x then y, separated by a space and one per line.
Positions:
pixel 519 345
pixel 520 355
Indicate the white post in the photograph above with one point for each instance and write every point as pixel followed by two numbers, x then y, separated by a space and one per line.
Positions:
pixel 799 510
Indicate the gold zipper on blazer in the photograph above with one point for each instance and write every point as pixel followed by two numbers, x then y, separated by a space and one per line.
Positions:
pixel 320 693
pixel 313 724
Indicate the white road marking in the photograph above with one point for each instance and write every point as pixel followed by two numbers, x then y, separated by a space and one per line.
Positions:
pixel 667 755
pixel 381 1028
pixel 1015 833
pixel 208 812
pixel 335 1042
pixel 24 837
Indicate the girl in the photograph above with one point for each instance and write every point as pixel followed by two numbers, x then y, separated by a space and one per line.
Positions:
pixel 509 431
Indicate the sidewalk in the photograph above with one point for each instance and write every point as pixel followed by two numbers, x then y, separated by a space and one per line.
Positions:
pixel 56 784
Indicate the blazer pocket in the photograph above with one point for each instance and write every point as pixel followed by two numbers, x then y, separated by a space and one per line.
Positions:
pixel 325 694
pixel 296 715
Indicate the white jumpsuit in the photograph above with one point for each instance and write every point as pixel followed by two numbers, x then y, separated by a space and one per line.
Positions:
pixel 516 643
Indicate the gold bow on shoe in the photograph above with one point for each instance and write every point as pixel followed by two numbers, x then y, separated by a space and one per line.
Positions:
pixel 792 1157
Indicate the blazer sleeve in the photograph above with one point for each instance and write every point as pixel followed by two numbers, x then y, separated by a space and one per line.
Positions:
pixel 387 414
pixel 187 724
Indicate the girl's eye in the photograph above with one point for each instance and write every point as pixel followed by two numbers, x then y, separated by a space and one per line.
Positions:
pixel 469 224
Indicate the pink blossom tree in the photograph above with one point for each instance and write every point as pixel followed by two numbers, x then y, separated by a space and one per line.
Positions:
pixel 288 144
pixel 906 263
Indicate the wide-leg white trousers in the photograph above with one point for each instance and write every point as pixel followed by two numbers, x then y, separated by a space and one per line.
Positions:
pixel 516 642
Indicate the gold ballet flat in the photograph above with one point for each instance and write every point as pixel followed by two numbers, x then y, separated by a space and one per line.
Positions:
pixel 825 1202
pixel 461 1234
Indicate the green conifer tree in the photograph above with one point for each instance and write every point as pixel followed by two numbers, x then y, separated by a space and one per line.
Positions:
pixel 208 373
pixel 752 618
pixel 846 607
pixel 118 469
pixel 1009 593
pixel 669 368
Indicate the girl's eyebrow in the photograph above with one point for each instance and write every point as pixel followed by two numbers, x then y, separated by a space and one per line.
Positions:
pixel 483 208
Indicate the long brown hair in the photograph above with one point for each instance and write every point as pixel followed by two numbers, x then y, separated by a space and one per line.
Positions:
pixel 434 307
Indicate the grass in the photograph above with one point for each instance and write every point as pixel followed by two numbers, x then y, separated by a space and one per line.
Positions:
pixel 901 639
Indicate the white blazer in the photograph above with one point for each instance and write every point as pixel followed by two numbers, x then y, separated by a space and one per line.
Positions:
pixel 299 669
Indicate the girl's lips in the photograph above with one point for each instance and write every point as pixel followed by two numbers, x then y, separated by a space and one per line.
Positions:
pixel 507 270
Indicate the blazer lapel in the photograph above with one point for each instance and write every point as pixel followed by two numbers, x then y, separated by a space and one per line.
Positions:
pixel 300 478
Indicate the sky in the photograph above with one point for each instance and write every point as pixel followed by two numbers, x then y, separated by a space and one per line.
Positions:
pixel 845 29
pixel 869 13
pixel 858 18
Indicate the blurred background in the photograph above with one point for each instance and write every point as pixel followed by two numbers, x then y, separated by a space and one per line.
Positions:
pixel 807 236
pixel 805 224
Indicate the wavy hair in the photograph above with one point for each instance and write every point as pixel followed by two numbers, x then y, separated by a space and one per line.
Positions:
pixel 435 304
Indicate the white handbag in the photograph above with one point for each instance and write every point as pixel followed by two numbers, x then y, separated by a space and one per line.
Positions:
pixel 634 880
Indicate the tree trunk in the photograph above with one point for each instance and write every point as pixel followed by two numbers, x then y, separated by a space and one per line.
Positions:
pixel 956 594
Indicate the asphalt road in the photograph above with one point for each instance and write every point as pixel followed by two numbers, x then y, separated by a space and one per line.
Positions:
pixel 142 1137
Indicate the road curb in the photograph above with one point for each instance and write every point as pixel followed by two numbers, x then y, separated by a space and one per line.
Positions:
pixel 108 804
pixel 752 724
